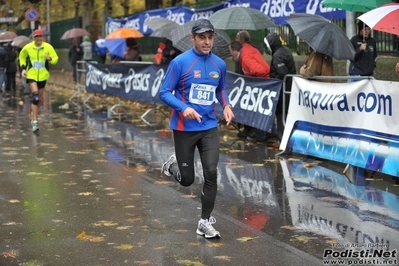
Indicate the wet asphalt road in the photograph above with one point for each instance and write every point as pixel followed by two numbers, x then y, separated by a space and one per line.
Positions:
pixel 87 190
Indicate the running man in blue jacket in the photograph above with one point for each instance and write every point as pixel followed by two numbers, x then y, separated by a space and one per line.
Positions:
pixel 193 82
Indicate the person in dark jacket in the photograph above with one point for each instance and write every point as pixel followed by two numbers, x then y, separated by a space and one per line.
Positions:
pixel 282 64
pixel 11 70
pixel 3 65
pixel 169 52
pixel 133 51
pixel 74 55
pixel 366 52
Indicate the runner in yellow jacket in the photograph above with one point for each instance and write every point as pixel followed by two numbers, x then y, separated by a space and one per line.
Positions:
pixel 34 59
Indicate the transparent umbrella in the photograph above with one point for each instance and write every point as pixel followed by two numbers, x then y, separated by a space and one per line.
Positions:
pixel 180 37
pixel 241 18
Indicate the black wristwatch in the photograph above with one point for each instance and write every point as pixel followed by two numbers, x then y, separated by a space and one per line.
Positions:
pixel 228 105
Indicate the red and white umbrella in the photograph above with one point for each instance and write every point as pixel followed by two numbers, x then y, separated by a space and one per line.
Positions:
pixel 384 18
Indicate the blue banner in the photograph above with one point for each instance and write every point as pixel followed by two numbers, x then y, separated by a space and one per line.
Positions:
pixel 279 11
pixel 254 99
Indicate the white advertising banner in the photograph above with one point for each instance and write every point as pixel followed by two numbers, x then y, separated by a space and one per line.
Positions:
pixel 352 123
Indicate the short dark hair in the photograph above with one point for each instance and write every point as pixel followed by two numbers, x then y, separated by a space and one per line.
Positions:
pixel 236 46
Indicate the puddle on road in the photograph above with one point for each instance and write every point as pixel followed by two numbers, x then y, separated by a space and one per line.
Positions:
pixel 299 200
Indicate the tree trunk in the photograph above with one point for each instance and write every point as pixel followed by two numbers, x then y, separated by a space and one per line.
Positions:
pixel 125 5
pixel 87 14
pixel 153 4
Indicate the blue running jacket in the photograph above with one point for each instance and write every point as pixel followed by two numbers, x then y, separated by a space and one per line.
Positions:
pixel 197 81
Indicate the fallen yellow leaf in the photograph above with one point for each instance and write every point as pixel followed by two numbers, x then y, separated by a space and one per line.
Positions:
pixel 191 196
pixel 85 194
pixel 215 245
pixel 332 241
pixel 225 258
pixel 11 223
pixel 163 182
pixel 109 224
pixel 11 254
pixel 97 239
pixel 123 227
pixel 303 239
pixel 181 231
pixel 288 227
pixel 133 219
pixel 143 262
pixel 309 165
pixel 332 199
pixel 81 234
pixel 190 263
pixel 124 247
pixel 246 238
pixel 303 188
pixel 14 201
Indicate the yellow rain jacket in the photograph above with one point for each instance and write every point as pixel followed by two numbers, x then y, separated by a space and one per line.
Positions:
pixel 33 60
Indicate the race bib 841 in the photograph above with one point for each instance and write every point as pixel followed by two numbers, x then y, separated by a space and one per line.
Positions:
pixel 202 94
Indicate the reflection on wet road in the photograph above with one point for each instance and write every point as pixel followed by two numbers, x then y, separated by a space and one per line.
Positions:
pixel 299 202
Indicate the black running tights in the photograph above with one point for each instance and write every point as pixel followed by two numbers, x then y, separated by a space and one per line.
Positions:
pixel 207 143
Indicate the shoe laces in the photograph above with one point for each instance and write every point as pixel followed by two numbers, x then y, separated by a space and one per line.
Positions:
pixel 212 220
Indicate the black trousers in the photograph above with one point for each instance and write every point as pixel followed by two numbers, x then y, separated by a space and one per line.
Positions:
pixel 207 143
pixel 10 83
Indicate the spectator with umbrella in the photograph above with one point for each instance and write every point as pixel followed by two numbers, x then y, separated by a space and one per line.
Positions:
pixel 11 70
pixel 3 65
pixel 133 50
pixel 365 46
pixel 100 50
pixel 318 64
pixel 168 51
pixel 74 55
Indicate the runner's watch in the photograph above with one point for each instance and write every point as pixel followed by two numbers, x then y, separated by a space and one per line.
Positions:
pixel 228 105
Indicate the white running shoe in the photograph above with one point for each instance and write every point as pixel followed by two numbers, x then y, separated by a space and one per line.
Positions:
pixel 205 228
pixel 166 165
pixel 35 125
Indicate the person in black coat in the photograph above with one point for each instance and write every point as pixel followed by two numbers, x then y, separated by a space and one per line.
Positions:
pixel 74 55
pixel 366 52
pixel 3 65
pixel 11 70
pixel 282 64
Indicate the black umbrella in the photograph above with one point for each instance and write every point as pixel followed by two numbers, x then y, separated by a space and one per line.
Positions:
pixel 180 36
pixel 322 35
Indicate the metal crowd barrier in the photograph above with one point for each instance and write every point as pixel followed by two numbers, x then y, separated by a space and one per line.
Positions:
pixel 80 72
pixel 115 109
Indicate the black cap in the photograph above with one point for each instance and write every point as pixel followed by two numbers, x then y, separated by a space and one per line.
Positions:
pixel 201 26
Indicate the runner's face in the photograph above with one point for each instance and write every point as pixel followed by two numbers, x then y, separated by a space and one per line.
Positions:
pixel 203 42
pixel 38 39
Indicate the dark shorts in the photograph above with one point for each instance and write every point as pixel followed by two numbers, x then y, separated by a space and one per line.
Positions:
pixel 40 84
